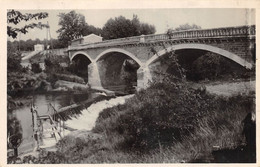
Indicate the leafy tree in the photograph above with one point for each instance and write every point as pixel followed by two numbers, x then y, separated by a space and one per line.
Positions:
pixel 13 58
pixel 15 17
pixel 121 27
pixel 73 25
pixel 89 29
pixel 183 27
pixel 187 27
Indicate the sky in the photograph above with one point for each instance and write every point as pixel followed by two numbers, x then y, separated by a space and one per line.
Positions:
pixel 162 19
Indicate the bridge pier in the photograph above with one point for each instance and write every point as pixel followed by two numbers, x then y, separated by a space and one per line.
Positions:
pixel 143 77
pixel 93 75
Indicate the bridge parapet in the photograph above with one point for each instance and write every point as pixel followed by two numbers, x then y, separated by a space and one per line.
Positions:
pixel 228 32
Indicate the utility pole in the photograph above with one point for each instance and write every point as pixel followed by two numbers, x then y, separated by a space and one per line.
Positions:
pixel 49 30
pixel 47 37
pixel 19 41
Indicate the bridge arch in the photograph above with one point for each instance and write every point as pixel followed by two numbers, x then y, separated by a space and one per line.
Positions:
pixel 120 51
pixel 81 53
pixel 213 49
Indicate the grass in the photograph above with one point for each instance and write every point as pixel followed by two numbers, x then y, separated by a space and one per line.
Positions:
pixel 166 123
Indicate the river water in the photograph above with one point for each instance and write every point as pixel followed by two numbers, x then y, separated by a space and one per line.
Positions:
pixel 89 115
pixel 42 101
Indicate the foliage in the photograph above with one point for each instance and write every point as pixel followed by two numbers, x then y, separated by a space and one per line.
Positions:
pixel 121 27
pixel 156 120
pixel 187 27
pixel 36 68
pixel 183 27
pixel 52 64
pixel 15 17
pixel 14 133
pixel 13 58
pixel 212 66
pixel 73 25
pixel 152 127
pixel 173 70
pixel 28 45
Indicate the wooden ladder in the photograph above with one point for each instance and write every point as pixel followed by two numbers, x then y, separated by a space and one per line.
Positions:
pixel 54 130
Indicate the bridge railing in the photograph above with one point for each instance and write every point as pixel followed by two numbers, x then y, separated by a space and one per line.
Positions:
pixel 175 35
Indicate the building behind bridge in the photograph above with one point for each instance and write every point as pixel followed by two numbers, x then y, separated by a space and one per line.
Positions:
pixel 91 38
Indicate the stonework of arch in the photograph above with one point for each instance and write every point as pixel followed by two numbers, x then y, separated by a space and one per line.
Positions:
pixel 120 51
pixel 81 53
pixel 213 49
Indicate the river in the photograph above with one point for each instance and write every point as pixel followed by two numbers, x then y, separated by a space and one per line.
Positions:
pixel 89 115
pixel 42 101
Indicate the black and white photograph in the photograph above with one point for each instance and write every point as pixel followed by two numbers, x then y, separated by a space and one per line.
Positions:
pixel 130 86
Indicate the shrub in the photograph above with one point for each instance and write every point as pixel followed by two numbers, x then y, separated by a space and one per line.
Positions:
pixel 36 68
pixel 153 117
pixel 213 66
pixel 52 64
pixel 166 114
pixel 13 58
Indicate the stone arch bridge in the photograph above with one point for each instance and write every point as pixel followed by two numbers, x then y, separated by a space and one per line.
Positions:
pixel 234 43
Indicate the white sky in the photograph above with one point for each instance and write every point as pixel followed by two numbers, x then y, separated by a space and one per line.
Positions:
pixel 162 19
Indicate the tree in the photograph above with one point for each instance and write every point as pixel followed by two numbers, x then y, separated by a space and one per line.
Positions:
pixel 14 129
pixel 121 27
pixel 14 134
pixel 187 27
pixel 73 25
pixel 183 27
pixel 15 17
pixel 13 58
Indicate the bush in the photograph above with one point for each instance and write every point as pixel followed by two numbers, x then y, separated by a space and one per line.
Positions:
pixel 36 68
pixel 52 64
pixel 13 58
pixel 153 117
pixel 164 115
pixel 215 67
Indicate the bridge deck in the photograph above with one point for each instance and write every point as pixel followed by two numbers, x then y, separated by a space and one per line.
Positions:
pixel 228 32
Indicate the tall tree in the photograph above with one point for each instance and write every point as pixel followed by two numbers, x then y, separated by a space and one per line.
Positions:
pixel 73 25
pixel 121 27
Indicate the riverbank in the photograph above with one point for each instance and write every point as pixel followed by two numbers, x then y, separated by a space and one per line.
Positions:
pixel 85 120
pixel 152 128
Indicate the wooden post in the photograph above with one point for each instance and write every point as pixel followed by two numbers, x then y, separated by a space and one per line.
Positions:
pixel 35 126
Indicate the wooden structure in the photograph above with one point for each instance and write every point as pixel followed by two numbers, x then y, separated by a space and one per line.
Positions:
pixel 47 130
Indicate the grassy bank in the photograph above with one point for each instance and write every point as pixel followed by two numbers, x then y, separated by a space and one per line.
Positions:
pixel 168 122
